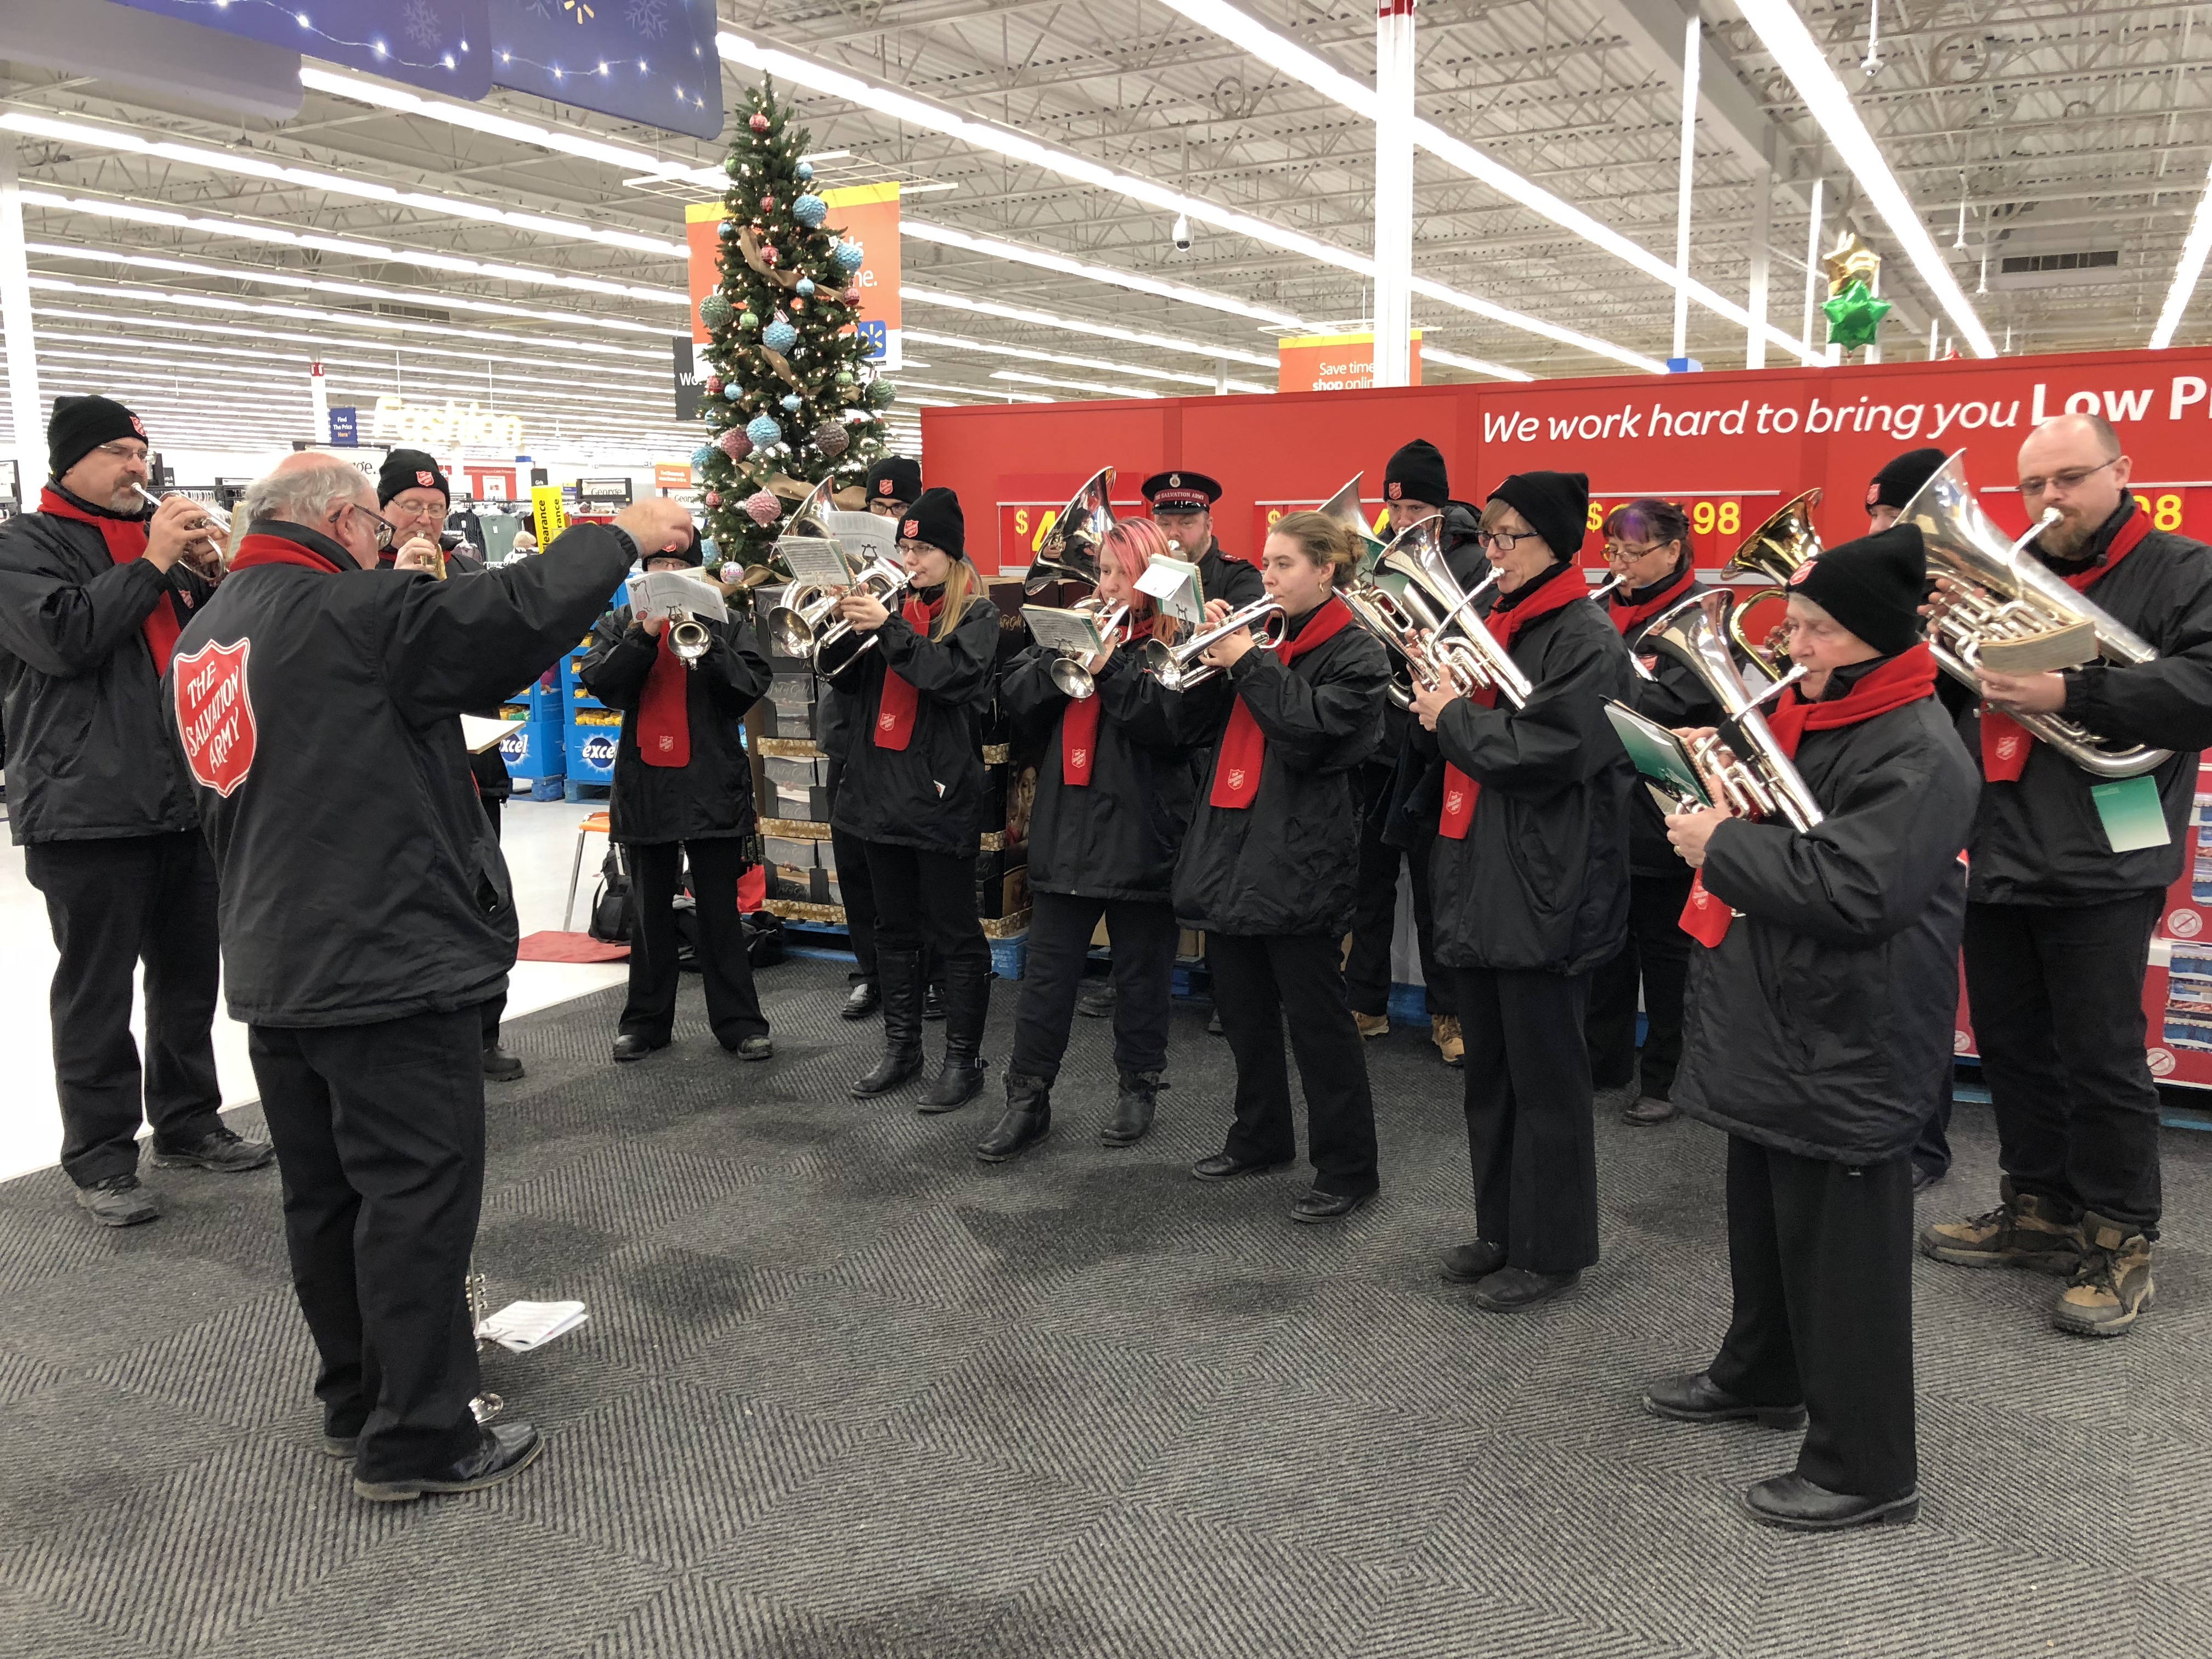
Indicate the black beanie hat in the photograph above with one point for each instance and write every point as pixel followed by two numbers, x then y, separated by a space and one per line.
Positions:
pixel 935 517
pixel 409 469
pixel 1417 473
pixel 81 425
pixel 1900 479
pixel 895 479
pixel 1556 505
pixel 1872 587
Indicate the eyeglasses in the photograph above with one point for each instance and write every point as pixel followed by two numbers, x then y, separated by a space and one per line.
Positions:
pixel 383 526
pixel 2070 480
pixel 124 452
pixel 1620 552
pixel 1502 541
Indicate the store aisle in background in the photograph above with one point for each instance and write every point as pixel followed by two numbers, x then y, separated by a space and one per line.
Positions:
pixel 540 841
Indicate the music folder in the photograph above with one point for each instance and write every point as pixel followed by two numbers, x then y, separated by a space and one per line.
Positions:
pixel 1075 631
pixel 1659 758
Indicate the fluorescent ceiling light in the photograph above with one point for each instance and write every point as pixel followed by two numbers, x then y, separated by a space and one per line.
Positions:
pixel 1454 360
pixel 446 205
pixel 2186 271
pixel 1045 260
pixel 1785 36
pixel 1103 330
pixel 1020 379
pixel 903 383
pixel 914 336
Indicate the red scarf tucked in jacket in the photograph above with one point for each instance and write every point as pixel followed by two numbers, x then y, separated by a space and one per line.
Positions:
pixel 663 713
pixel 126 540
pixel 1627 617
pixel 1460 790
pixel 1244 745
pixel 1905 678
pixel 895 711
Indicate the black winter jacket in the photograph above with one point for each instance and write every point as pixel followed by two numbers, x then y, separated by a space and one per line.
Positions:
pixel 1821 1023
pixel 360 880
pixel 1540 881
pixel 1675 697
pixel 1289 864
pixel 2040 840
pixel 1220 577
pixel 930 795
pixel 88 757
pixel 712 795
pixel 1116 837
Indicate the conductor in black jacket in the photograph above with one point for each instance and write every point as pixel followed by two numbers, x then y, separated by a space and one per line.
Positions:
pixel 918 677
pixel 682 787
pixel 1815 1020
pixel 1530 874
pixel 367 917
pixel 1269 867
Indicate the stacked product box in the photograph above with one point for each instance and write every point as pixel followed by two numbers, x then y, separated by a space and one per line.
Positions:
pixel 594 731
pixel 536 750
pixel 1002 867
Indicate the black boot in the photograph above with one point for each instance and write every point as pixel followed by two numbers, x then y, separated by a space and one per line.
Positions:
pixel 1133 1109
pixel 1027 1121
pixel 967 1003
pixel 898 978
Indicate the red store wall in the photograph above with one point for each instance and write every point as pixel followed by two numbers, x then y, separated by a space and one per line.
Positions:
pixel 1734 444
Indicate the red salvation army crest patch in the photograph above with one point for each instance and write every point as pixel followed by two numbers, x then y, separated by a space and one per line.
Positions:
pixel 215 714
pixel 1397 491
pixel 912 527
pixel 1873 495
pixel 427 480
pixel 883 486
pixel 138 426
pixel 1797 577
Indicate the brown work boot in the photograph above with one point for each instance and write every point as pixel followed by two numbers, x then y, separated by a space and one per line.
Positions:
pixel 1372 1025
pixel 2023 1230
pixel 1445 1033
pixel 2111 1287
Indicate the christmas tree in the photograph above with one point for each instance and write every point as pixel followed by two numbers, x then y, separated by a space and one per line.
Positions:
pixel 791 398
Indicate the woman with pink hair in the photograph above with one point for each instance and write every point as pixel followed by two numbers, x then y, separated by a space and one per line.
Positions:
pixel 1115 792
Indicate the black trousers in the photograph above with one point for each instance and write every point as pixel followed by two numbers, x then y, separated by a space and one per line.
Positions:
pixel 857 886
pixel 1060 926
pixel 495 1009
pixel 1256 982
pixel 928 899
pixel 1529 1131
pixel 733 1009
pixel 1932 1151
pixel 2057 999
pixel 114 904
pixel 1656 959
pixel 1367 970
pixel 379 1133
pixel 1820 1255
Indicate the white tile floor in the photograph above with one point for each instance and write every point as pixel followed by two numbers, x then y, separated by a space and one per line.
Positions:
pixel 540 841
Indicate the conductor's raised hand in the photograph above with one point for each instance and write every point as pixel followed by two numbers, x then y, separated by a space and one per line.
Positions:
pixel 661 524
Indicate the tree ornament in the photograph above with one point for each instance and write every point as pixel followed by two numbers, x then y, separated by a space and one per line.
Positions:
pixel 759 122
pixel 809 210
pixel 713 498
pixel 848 253
pixel 714 312
pixel 805 170
pixel 805 288
pixel 852 295
pixel 882 394
pixel 764 507
pixel 844 377
pixel 749 322
pixel 779 336
pixel 793 403
pixel 734 444
pixel 729 228
pixel 769 254
pixel 798 304
pixel 764 431
pixel 714 386
pixel 767 204
pixel 700 458
pixel 831 439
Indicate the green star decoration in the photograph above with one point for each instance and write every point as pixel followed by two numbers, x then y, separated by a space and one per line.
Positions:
pixel 1853 315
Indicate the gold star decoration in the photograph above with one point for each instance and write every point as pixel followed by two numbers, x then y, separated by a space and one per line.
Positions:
pixel 1853 261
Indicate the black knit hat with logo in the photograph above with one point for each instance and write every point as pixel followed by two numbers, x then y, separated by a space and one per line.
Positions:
pixel 409 469
pixel 935 517
pixel 1416 473
pixel 1555 504
pixel 895 479
pixel 81 425
pixel 1900 479
pixel 1872 587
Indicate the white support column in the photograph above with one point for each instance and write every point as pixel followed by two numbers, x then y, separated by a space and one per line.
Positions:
pixel 319 395
pixel 1221 377
pixel 24 402
pixel 1812 265
pixel 1692 53
pixel 1393 192
pixel 1762 229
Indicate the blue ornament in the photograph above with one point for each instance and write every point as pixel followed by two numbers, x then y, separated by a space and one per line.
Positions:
pixel 701 456
pixel 794 402
pixel 848 254
pixel 729 228
pixel 809 210
pixel 806 288
pixel 715 311
pixel 805 171
pixel 779 336
pixel 764 431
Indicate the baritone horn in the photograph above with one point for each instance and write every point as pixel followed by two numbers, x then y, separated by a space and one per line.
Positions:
pixel 2001 596
pixel 1775 550
pixel 1177 667
pixel 1068 550
pixel 1756 778
pixel 1406 596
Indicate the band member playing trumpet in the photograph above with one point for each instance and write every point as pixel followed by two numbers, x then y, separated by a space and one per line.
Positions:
pixel 1530 874
pixel 1815 1021
pixel 683 784
pixel 1114 798
pixel 913 789
pixel 2065 889
pixel 1269 867
pixel 1647 544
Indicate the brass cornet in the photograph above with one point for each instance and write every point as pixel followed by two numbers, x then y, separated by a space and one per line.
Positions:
pixel 1177 667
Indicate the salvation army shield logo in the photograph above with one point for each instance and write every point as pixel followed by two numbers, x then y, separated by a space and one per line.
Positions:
pixel 2009 745
pixel 1236 777
pixel 886 721
pixel 1079 758
pixel 1454 802
pixel 215 714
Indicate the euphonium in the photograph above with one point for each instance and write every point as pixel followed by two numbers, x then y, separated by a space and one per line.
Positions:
pixel 2010 598
pixel 1774 550
pixel 1757 779
pixel 1407 597
pixel 1177 667
pixel 1068 550
pixel 805 631
pixel 1071 673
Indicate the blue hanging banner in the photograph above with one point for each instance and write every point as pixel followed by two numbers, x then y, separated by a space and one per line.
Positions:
pixel 642 60
pixel 439 44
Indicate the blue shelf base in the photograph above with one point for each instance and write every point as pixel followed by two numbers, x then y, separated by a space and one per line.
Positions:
pixel 580 789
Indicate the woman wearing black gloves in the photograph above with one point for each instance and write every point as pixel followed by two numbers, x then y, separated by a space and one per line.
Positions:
pixel 682 784
pixel 913 790
pixel 1270 867
pixel 1114 797
pixel 1647 543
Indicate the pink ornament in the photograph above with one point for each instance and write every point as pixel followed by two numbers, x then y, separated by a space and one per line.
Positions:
pixel 768 255
pixel 759 123
pixel 767 204
pixel 714 386
pixel 765 509
pixel 734 443
pixel 713 498
pixel 852 295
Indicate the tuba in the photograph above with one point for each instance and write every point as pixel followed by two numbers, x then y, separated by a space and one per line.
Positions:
pixel 2010 598
pixel 1756 778
pixel 1774 550
pixel 1177 667
pixel 1068 550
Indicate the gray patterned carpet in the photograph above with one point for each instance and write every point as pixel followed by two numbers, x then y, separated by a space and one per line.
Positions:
pixel 846 1392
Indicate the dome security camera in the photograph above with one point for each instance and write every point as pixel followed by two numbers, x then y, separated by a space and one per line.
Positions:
pixel 1182 233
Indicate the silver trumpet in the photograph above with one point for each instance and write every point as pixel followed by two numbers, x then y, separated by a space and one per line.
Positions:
pixel 2002 596
pixel 1071 673
pixel 1177 667
pixel 687 637
pixel 1756 778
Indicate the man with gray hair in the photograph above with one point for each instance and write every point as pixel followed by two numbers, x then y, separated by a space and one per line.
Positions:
pixel 367 917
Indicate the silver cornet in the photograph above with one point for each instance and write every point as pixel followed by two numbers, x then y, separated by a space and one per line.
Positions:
pixel 1177 667
pixel 215 516
pixel 1071 673
pixel 687 637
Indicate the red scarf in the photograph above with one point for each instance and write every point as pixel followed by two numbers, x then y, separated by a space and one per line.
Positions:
pixel 126 540
pixel 1460 790
pixel 663 713
pixel 1078 742
pixel 894 710
pixel 2005 741
pixel 1903 680
pixel 1244 745
pixel 257 549
pixel 1628 617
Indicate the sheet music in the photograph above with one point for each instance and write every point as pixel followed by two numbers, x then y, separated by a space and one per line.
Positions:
pixel 657 592
pixel 1063 630
pixel 815 560
pixel 1176 585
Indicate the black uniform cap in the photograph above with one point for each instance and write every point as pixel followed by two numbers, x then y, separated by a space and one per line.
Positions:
pixel 1181 491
